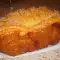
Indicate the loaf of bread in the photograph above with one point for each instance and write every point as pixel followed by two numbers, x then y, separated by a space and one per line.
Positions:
pixel 29 29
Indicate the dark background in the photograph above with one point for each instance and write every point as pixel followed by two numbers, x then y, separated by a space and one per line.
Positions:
pixel 5 6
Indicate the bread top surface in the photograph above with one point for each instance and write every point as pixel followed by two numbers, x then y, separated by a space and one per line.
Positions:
pixel 30 18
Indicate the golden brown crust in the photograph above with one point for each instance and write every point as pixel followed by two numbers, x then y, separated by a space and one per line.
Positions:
pixel 29 29
pixel 14 42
